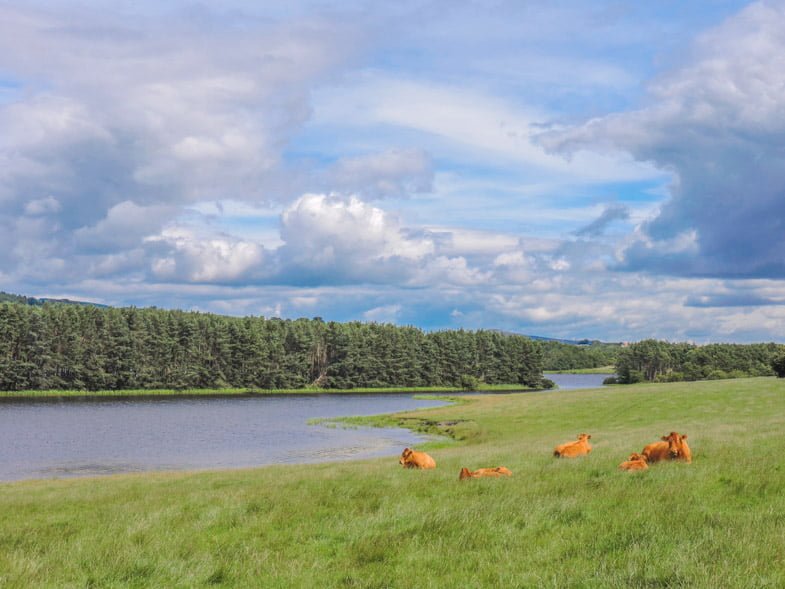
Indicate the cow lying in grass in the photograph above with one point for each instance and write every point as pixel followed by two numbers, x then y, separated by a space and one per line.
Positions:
pixel 672 447
pixel 580 447
pixel 499 471
pixel 635 462
pixel 413 459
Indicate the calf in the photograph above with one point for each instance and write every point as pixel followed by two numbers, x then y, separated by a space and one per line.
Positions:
pixel 499 471
pixel 580 447
pixel 635 462
pixel 672 447
pixel 414 459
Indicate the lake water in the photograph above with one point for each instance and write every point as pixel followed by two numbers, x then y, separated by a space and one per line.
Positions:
pixel 46 439
pixel 578 381
pixel 49 438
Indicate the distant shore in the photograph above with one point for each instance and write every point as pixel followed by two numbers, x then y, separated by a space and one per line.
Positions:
pixel 241 392
pixel 598 370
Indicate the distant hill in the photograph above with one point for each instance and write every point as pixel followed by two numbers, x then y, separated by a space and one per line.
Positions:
pixel 572 342
pixel 33 301
pixel 541 338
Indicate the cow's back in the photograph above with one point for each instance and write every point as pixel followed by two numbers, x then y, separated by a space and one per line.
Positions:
pixel 499 471
pixel 572 449
pixel 634 465
pixel 421 460
pixel 656 451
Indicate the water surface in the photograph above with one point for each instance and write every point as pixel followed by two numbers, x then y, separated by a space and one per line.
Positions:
pixel 103 436
pixel 577 381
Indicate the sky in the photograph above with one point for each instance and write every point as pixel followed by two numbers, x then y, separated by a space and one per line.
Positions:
pixel 610 170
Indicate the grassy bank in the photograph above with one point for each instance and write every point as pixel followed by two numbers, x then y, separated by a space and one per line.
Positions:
pixel 599 370
pixel 251 391
pixel 556 523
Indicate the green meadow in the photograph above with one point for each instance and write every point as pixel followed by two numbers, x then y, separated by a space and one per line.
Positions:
pixel 719 522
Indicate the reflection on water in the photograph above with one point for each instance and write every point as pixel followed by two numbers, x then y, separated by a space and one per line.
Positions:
pixel 577 381
pixel 85 438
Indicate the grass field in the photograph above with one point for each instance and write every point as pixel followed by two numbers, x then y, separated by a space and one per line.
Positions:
pixel 245 391
pixel 719 522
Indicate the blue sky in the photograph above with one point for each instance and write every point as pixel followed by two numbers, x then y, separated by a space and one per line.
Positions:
pixel 607 170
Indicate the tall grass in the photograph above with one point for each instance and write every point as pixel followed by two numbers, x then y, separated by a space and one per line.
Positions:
pixel 556 523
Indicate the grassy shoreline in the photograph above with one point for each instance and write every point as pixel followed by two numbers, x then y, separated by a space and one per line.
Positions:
pixel 251 391
pixel 556 523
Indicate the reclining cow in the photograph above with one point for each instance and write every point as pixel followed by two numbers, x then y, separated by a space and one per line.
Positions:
pixel 414 459
pixel 499 471
pixel 580 447
pixel 635 462
pixel 672 447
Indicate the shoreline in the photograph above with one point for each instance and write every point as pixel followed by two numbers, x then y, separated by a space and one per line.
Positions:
pixel 611 370
pixel 245 392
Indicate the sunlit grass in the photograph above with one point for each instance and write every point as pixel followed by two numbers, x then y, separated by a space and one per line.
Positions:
pixel 556 523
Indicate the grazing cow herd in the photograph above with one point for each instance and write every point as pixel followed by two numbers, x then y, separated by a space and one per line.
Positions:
pixel 671 447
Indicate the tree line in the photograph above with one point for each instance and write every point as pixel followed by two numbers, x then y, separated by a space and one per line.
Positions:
pixel 561 356
pixel 659 361
pixel 59 346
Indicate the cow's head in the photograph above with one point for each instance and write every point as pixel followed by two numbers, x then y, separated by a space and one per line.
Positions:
pixel 635 457
pixel 675 444
pixel 405 456
pixel 584 437
pixel 465 474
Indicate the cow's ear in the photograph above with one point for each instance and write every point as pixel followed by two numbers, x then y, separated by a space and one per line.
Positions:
pixel 664 438
pixel 684 437
pixel 588 437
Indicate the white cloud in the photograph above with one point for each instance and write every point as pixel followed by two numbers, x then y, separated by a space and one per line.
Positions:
pixel 189 257
pixel 515 258
pixel 342 239
pixel 385 314
pixel 125 226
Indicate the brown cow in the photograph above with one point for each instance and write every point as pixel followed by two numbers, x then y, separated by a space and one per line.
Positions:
pixel 573 449
pixel 415 459
pixel 499 471
pixel 635 462
pixel 672 447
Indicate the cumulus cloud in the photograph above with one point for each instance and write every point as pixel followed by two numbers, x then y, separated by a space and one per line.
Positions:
pixel 717 122
pixel 326 239
pixel 331 239
pixel 185 256
pixel 124 227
